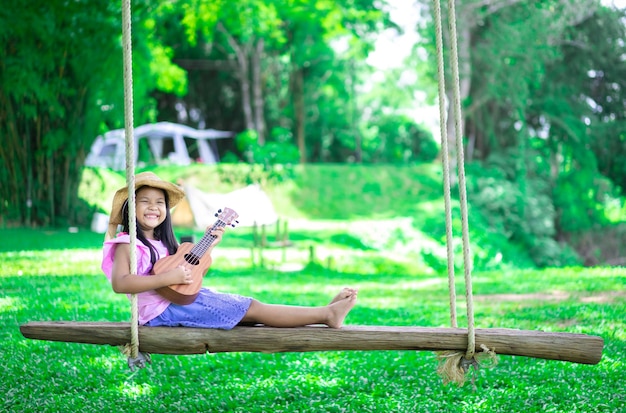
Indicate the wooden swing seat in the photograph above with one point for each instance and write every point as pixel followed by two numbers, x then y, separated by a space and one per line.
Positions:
pixel 576 348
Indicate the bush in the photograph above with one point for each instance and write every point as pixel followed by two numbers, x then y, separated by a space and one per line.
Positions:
pixel 579 197
pixel 526 216
pixel 547 252
pixel 279 148
pixel 398 139
pixel 272 161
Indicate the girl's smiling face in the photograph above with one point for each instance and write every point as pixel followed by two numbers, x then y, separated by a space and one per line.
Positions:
pixel 151 209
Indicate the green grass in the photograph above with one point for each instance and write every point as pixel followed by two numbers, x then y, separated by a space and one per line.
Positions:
pixel 55 275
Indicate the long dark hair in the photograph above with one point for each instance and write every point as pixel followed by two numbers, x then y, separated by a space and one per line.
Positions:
pixel 164 232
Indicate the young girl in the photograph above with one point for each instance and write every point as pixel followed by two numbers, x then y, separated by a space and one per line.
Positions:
pixel 211 309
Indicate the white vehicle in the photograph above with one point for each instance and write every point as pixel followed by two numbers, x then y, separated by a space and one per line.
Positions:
pixel 164 142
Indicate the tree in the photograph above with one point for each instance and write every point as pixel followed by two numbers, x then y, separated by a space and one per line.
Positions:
pixel 529 104
pixel 282 59
pixel 603 75
pixel 237 33
pixel 54 55
pixel 60 85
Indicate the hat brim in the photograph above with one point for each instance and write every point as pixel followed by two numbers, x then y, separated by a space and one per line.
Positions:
pixel 174 193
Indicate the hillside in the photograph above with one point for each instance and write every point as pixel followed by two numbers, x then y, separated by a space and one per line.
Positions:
pixel 395 213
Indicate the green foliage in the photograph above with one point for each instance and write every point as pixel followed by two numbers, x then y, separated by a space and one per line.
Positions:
pixel 352 192
pixel 278 150
pixel 540 70
pixel 66 284
pixel 603 85
pixel 97 186
pixel 543 105
pixel 545 92
pixel 274 160
pixel 53 55
pixel 61 85
pixel 580 197
pixel 246 140
pixel 397 139
pixel 285 153
pixel 527 218
pixel 294 43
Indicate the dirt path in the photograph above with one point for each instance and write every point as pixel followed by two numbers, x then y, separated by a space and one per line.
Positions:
pixel 598 297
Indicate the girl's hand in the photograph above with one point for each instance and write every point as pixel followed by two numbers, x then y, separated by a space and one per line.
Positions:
pixel 181 275
pixel 217 233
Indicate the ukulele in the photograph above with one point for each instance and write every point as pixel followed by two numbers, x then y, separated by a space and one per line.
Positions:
pixel 193 257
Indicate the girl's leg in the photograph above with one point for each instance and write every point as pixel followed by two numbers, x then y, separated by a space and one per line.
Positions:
pixel 274 315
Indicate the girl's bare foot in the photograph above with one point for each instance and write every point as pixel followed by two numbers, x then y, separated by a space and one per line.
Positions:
pixel 344 293
pixel 339 310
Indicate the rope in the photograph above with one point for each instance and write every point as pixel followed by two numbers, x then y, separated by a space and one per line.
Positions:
pixel 454 365
pixel 467 263
pixel 130 167
pixel 446 163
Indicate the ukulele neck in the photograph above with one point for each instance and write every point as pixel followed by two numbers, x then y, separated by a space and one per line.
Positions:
pixel 205 243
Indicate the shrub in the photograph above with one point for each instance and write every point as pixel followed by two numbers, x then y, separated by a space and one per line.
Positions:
pixel 398 139
pixel 524 213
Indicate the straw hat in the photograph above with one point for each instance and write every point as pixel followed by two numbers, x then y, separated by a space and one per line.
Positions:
pixel 174 192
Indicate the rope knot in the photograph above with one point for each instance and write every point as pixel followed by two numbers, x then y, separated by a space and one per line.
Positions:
pixel 140 360
pixel 455 365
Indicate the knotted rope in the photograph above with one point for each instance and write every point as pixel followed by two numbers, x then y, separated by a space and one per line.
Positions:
pixel 455 365
pixel 135 358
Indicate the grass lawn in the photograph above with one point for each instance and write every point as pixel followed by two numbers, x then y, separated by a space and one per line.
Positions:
pixel 55 275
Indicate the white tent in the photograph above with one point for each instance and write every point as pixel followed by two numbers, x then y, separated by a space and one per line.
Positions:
pixel 167 141
pixel 198 208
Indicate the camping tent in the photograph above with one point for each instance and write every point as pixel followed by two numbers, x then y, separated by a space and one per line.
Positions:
pixel 198 208
pixel 165 141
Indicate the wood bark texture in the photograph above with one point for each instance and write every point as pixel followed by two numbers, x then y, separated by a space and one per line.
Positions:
pixel 575 348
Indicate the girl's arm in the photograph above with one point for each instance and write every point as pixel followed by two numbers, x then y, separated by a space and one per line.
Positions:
pixel 124 282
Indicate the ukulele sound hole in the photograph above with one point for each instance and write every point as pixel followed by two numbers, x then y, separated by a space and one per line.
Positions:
pixel 192 259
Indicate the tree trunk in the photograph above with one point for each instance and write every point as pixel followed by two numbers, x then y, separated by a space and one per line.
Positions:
pixel 298 96
pixel 50 189
pixel 358 147
pixel 257 90
pixel 244 77
pixel 466 21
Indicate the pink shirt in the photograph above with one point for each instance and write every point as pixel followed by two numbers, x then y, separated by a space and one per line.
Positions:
pixel 150 304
